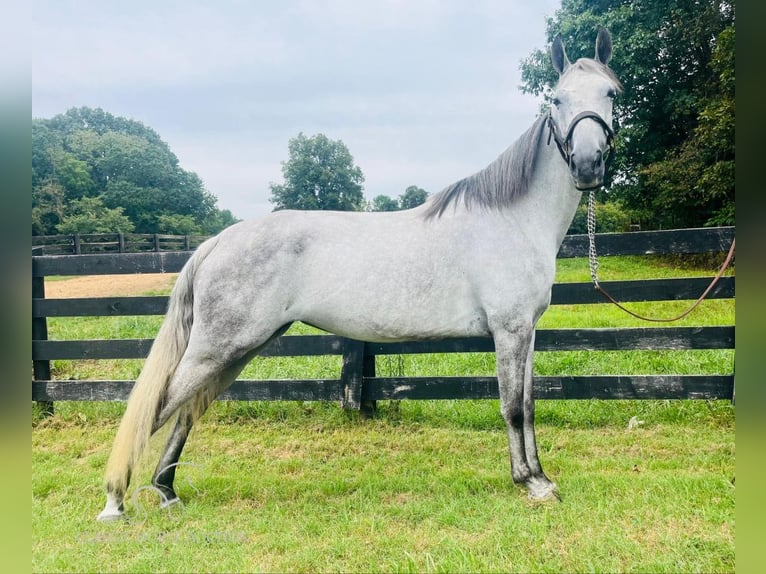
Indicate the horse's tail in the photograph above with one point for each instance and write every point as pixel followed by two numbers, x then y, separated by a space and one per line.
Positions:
pixel 151 387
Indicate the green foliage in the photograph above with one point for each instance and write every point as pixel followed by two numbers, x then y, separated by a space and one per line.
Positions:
pixel 48 200
pixel 178 225
pixel 73 174
pixel 384 203
pixel 674 120
pixel 698 176
pixel 412 197
pixel 222 219
pixel 87 153
pixel 610 218
pixel 319 174
pixel 90 215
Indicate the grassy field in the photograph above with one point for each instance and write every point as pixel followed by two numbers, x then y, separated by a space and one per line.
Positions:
pixel 424 487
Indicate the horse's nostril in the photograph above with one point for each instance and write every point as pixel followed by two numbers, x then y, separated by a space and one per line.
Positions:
pixel 599 160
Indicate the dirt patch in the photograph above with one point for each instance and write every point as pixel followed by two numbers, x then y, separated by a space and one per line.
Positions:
pixel 109 285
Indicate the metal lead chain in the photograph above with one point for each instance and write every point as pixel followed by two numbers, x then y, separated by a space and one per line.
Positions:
pixel 593 262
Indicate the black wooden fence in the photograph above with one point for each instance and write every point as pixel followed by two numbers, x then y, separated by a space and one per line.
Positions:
pixel 357 383
pixel 84 243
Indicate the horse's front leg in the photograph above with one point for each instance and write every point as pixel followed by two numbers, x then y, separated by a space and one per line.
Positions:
pixel 540 486
pixel 513 347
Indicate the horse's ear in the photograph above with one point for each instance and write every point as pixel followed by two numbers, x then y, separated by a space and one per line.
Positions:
pixel 603 46
pixel 559 55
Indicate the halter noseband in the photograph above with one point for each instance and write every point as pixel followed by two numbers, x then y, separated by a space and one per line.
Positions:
pixel 564 143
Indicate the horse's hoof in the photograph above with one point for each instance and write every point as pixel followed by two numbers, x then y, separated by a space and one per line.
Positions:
pixel 543 491
pixel 551 496
pixel 167 503
pixel 110 515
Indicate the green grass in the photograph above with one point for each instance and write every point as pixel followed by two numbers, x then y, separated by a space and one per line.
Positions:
pixel 424 487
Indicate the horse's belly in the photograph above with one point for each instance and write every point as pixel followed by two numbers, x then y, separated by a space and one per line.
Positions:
pixel 389 329
pixel 381 317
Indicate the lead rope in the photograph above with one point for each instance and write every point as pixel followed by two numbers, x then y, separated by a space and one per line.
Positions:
pixel 593 264
pixel 592 261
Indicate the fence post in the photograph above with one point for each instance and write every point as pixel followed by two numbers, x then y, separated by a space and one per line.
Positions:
pixel 156 242
pixel 41 370
pixel 76 243
pixel 121 242
pixel 368 407
pixel 352 374
pixel 187 243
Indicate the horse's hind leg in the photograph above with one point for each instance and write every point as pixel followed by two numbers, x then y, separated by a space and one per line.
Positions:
pixel 164 474
pixel 194 375
pixel 199 377
pixel 191 409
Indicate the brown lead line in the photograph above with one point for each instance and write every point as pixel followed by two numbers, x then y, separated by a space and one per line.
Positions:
pixel 594 275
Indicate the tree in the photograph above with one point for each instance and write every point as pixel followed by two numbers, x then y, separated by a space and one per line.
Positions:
pixel 47 207
pixel 412 197
pixel 384 203
pixel 87 153
pixel 73 174
pixel 676 60
pixel 319 174
pixel 222 219
pixel 90 215
pixel 178 225
pixel 698 176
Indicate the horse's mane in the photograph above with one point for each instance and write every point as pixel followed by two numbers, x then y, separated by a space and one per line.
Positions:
pixel 498 184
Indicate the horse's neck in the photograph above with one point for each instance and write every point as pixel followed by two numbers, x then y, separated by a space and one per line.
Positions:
pixel 552 199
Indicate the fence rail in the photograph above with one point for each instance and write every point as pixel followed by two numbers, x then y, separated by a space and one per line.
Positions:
pixel 84 243
pixel 357 383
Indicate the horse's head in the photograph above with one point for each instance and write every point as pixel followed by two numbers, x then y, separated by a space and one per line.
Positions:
pixel 580 119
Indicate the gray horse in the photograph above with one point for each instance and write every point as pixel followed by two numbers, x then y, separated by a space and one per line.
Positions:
pixel 477 259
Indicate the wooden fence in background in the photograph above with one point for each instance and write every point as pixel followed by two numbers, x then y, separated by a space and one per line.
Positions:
pixel 357 383
pixel 85 243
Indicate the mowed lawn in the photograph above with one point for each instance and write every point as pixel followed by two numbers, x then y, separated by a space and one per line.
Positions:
pixel 423 487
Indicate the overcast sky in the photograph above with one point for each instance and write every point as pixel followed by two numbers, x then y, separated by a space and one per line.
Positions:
pixel 422 92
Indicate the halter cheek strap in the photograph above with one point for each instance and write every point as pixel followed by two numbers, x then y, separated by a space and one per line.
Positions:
pixel 564 143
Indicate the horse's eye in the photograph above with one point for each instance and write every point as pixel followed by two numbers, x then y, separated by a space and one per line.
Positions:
pixel 556 101
pixel 611 93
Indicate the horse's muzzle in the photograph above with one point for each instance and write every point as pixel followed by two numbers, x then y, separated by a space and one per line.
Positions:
pixel 587 171
pixel 587 168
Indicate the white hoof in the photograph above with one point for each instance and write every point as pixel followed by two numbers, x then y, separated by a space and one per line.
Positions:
pixel 541 491
pixel 550 496
pixel 113 509
pixel 110 515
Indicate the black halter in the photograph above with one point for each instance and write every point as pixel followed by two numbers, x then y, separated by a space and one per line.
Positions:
pixel 564 143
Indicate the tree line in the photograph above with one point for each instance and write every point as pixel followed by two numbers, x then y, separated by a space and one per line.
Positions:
pixel 320 173
pixel 93 172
